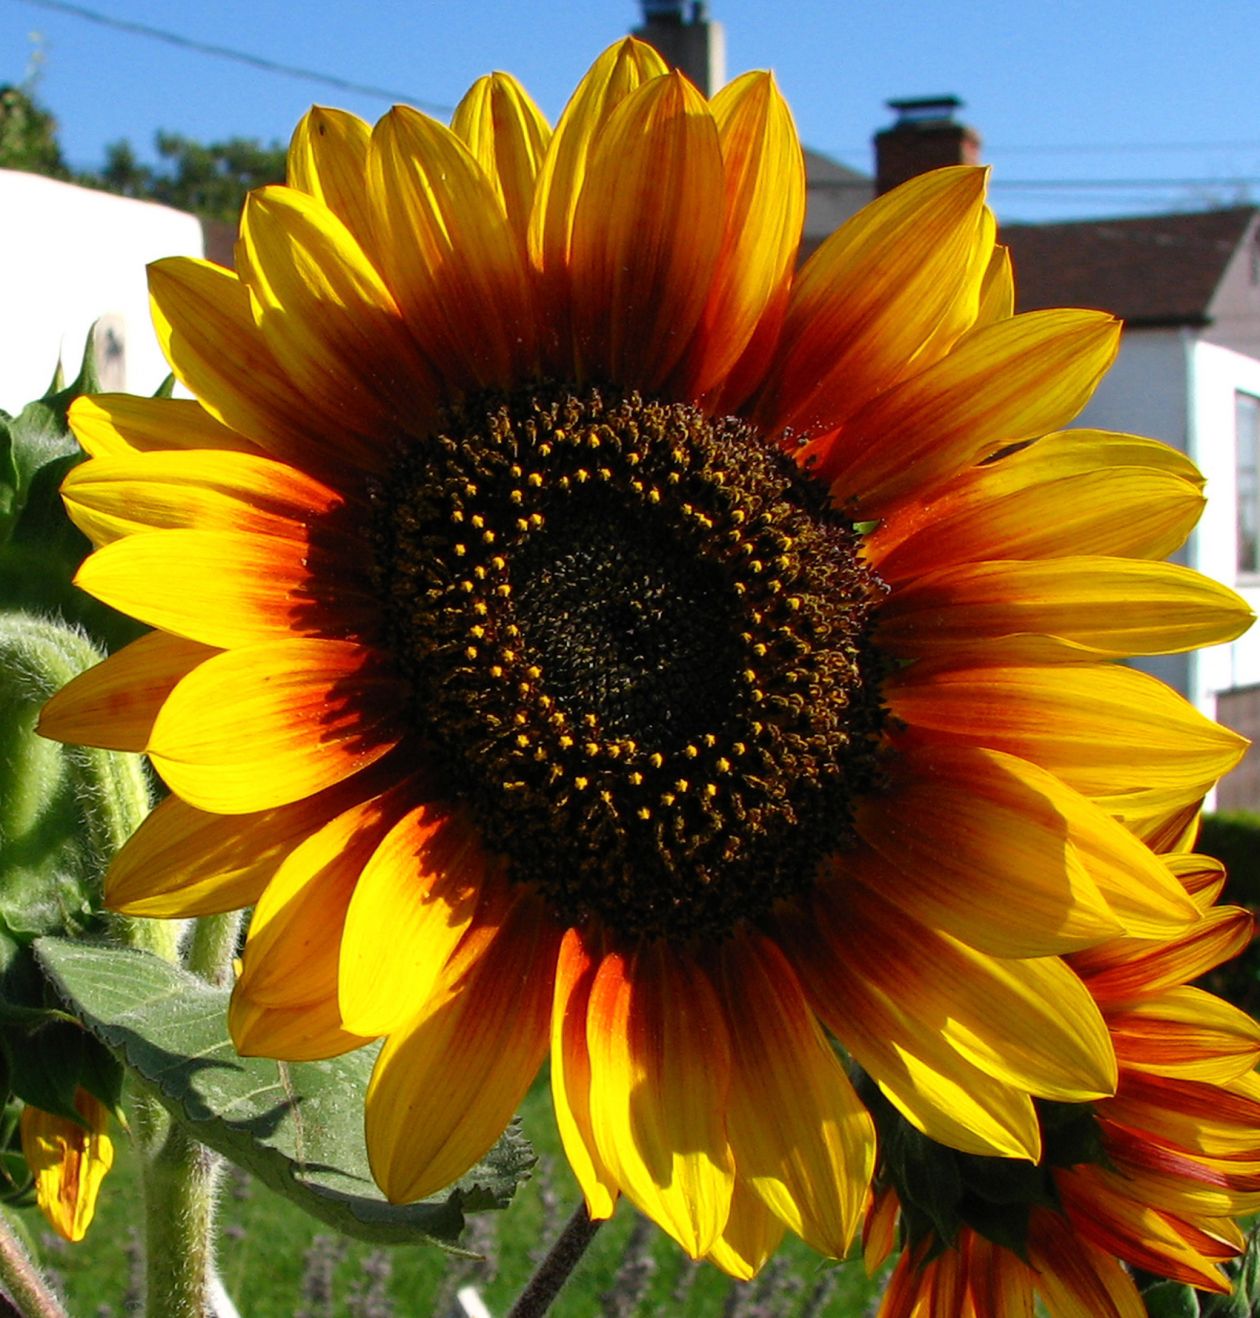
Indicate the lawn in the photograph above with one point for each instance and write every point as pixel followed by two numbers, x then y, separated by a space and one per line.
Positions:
pixel 278 1263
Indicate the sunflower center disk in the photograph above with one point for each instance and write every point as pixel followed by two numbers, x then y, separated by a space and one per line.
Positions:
pixel 637 639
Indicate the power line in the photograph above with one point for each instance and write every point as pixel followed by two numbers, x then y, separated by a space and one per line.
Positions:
pixel 239 56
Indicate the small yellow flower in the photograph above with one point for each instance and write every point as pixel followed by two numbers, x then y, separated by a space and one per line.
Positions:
pixel 68 1162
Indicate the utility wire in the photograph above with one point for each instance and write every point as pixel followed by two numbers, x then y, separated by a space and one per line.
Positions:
pixel 239 56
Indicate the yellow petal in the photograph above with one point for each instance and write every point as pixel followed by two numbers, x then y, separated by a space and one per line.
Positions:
pixel 752 1233
pixel 966 842
pixel 274 722
pixel 329 321
pixel 248 587
pixel 112 497
pixel 1029 1022
pixel 183 861
pixel 114 704
pixel 444 1088
pixel 1006 382
pixel 1103 729
pixel 206 327
pixel 571 1074
pixel 921 1073
pixel 646 234
pixel 801 1138
pixel 415 898
pixel 295 932
pixel 308 1033
pixel 119 425
pixel 660 1073
pixel 1113 607
pixel 1075 1279
pixel 875 292
pixel 764 174
pixel 997 289
pixel 1073 492
pixel 328 159
pixel 68 1162
pixel 448 253
pixel 507 135
pixel 613 76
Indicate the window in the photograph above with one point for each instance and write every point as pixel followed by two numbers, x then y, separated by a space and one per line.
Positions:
pixel 1247 433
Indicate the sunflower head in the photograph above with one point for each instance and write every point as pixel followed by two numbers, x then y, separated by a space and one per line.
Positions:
pixel 579 628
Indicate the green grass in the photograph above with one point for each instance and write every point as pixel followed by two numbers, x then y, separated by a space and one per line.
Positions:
pixel 278 1263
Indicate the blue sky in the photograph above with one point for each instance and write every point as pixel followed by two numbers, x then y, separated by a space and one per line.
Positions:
pixel 1085 94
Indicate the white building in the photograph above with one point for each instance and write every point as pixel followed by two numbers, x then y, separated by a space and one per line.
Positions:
pixel 72 257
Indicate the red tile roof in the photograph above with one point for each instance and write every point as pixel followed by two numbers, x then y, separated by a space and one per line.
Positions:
pixel 1149 270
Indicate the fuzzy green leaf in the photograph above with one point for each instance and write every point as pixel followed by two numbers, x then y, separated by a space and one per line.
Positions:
pixel 297 1126
pixel 1170 1299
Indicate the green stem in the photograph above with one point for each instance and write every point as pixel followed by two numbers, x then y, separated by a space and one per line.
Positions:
pixel 212 946
pixel 180 1200
pixel 556 1268
pixel 20 1278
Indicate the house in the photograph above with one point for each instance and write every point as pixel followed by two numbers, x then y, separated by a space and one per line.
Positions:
pixel 73 258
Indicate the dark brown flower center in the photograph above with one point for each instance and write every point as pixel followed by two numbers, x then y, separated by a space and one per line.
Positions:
pixel 637 639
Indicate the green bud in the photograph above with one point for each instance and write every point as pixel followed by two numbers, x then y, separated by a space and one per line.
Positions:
pixel 64 810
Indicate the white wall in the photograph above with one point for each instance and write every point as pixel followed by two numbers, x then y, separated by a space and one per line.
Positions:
pixel 1172 386
pixel 68 257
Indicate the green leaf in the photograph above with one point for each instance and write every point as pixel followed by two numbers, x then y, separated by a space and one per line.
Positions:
pixel 297 1126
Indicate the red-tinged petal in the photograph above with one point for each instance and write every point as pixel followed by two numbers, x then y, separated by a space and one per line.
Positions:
pixel 970 845
pixel 752 1233
pixel 1075 1279
pixel 507 135
pixel 120 425
pixel 248 588
pixel 449 255
pixel 1137 1232
pixel 1218 1121
pixel 1010 381
pixel 328 159
pixel 571 1073
pixel 114 704
pixel 660 1076
pixel 1002 1284
pixel 801 1138
pixel 444 1088
pixel 411 906
pixel 295 932
pixel 1203 877
pixel 1185 1031
pixel 327 318
pixel 1065 494
pixel 1028 1022
pixel 206 327
pixel 871 297
pixel 1130 968
pixel 183 861
pixel 1113 607
pixel 109 498
pixel 308 1033
pixel 764 174
pixel 1103 729
pixel 879 1229
pixel 68 1162
pixel 613 76
pixel 272 723
pixel 922 1074
pixel 646 235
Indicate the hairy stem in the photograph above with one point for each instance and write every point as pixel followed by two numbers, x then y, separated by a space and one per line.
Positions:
pixel 180 1200
pixel 557 1267
pixel 21 1279
pixel 212 946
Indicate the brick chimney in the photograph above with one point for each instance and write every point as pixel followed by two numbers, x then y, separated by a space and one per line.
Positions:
pixel 687 40
pixel 925 136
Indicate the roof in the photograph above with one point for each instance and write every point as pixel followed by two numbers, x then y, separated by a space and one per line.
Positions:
pixel 1149 270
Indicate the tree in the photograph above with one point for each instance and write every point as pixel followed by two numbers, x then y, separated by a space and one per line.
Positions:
pixel 28 135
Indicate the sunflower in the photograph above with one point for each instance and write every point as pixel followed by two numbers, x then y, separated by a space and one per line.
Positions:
pixel 578 630
pixel 1154 1177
